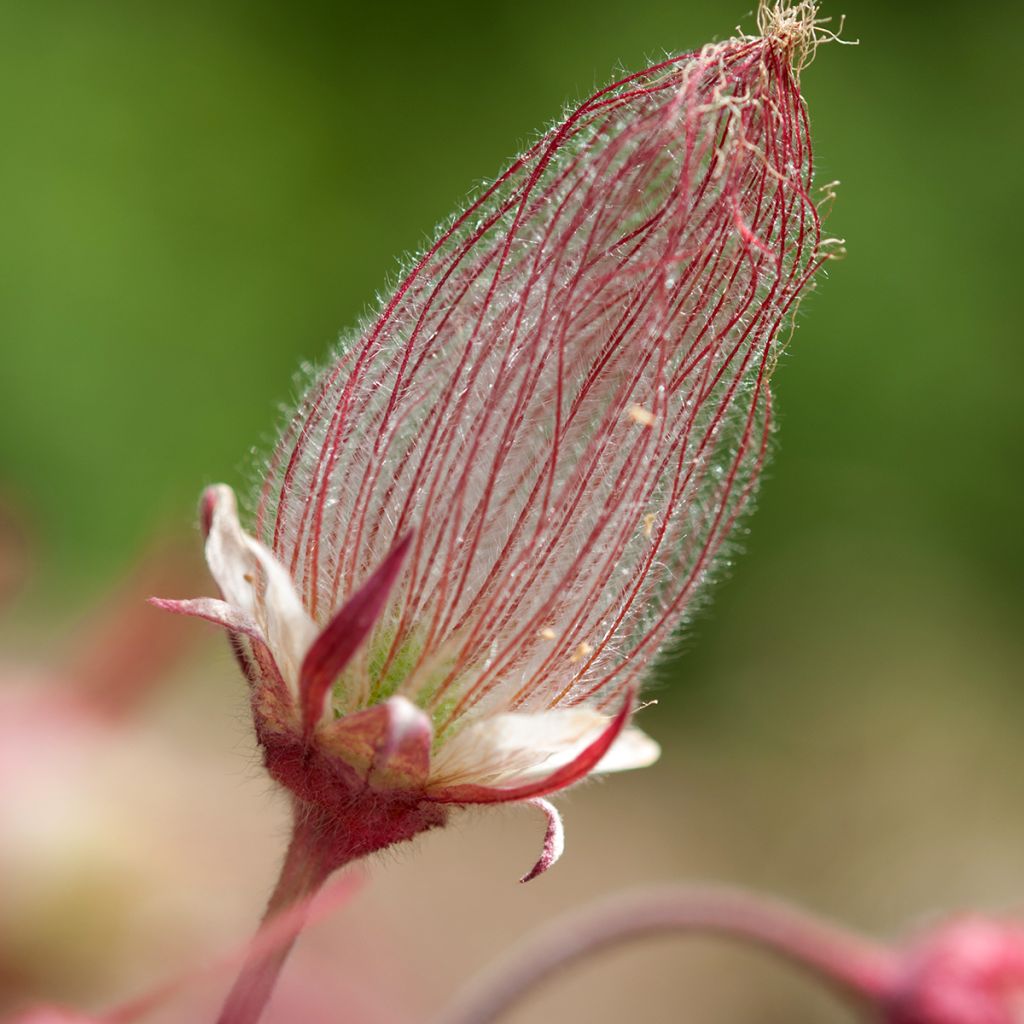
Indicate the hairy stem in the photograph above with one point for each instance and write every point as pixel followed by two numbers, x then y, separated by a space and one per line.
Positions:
pixel 855 966
pixel 304 871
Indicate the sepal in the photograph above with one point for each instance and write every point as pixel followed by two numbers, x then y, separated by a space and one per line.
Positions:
pixel 388 744
pixel 554 840
pixel 335 646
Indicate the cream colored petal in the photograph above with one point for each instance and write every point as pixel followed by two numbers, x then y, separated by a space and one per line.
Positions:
pixel 515 748
pixel 237 561
pixel 289 629
pixel 632 748
pixel 231 561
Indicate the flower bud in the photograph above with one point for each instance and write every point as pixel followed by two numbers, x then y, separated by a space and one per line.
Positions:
pixel 969 971
pixel 503 496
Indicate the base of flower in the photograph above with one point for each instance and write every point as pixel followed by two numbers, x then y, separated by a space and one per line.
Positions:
pixel 325 837
pixel 343 813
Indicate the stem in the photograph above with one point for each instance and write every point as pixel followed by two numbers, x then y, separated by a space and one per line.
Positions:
pixel 856 967
pixel 304 871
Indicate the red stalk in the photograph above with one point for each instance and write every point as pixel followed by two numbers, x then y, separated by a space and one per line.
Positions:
pixel 325 837
pixel 853 965
pixel 306 867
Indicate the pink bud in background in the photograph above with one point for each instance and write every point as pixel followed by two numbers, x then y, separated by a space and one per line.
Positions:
pixel 969 971
pixel 497 504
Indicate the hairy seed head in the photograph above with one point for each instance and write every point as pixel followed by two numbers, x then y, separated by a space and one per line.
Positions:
pixel 504 494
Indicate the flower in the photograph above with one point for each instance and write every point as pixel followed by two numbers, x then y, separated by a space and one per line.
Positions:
pixel 496 505
pixel 501 499
pixel 328 757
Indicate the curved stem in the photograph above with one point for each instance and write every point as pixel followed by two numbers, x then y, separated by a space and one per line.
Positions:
pixel 854 966
pixel 303 873
pixel 282 928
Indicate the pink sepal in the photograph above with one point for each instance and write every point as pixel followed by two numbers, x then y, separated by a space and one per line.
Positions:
pixel 220 613
pixel 340 639
pixel 554 840
pixel 581 765
pixel 388 743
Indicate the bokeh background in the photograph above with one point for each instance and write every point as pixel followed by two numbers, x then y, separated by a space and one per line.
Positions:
pixel 197 197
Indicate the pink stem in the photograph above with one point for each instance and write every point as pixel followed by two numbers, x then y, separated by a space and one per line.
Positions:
pixel 855 966
pixel 303 873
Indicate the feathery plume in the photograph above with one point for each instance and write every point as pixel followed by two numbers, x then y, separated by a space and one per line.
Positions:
pixel 498 503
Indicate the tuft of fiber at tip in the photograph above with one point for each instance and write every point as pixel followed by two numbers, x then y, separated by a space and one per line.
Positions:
pixel 798 29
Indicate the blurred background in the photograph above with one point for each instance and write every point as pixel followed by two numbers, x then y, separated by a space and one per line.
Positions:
pixel 198 197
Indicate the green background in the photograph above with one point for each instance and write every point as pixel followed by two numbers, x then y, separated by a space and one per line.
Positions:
pixel 197 197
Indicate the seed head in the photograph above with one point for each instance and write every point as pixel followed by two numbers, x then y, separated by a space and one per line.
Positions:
pixel 500 500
